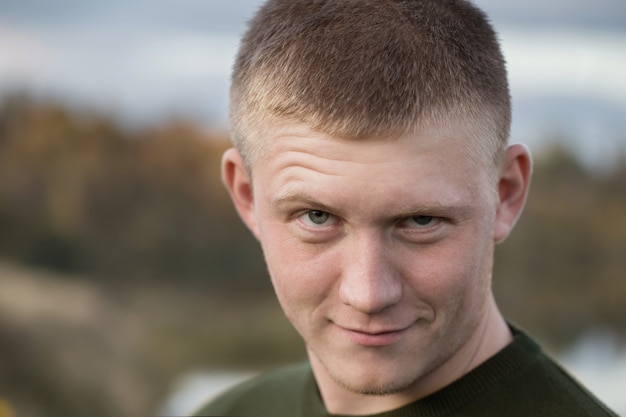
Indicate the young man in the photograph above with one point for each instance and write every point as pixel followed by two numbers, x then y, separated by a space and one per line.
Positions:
pixel 372 165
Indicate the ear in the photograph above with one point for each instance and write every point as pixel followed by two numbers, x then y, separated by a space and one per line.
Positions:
pixel 513 185
pixel 239 186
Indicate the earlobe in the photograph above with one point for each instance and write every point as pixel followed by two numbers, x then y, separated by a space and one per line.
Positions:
pixel 239 186
pixel 513 188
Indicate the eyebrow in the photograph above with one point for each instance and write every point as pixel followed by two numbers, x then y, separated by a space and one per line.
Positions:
pixel 455 211
pixel 291 198
pixel 437 209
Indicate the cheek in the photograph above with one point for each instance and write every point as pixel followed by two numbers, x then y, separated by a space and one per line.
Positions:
pixel 302 277
pixel 454 274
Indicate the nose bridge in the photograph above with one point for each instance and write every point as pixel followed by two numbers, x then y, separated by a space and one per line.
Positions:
pixel 370 281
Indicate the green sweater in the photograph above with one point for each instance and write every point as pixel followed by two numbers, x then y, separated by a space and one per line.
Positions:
pixel 518 381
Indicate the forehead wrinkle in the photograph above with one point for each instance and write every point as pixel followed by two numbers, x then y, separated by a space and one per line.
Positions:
pixel 298 139
pixel 302 159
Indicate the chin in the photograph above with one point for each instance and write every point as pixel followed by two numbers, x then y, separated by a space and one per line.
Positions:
pixel 377 386
pixel 386 371
pixel 370 378
pixel 379 390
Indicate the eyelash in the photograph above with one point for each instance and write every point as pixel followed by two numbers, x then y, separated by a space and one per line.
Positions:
pixel 433 221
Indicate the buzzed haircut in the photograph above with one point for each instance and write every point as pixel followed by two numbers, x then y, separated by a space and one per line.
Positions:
pixel 368 68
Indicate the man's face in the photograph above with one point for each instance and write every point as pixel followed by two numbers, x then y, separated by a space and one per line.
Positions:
pixel 380 251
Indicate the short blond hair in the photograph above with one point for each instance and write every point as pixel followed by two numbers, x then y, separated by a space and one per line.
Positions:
pixel 368 68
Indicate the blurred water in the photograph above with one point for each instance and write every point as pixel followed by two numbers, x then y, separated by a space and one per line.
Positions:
pixel 191 391
pixel 598 360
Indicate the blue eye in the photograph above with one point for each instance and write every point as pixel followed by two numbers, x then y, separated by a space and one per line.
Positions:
pixel 317 217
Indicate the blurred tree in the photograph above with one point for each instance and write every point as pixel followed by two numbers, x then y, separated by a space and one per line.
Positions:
pixel 563 270
pixel 78 193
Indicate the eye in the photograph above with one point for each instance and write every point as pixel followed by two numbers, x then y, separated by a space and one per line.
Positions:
pixel 317 218
pixel 420 221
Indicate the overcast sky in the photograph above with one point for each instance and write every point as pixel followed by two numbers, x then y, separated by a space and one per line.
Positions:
pixel 148 59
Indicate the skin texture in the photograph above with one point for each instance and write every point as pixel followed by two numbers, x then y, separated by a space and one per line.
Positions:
pixel 380 252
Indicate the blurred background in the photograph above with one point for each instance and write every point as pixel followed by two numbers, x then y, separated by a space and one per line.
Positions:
pixel 128 285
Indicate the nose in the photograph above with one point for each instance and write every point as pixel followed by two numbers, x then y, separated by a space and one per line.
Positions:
pixel 370 283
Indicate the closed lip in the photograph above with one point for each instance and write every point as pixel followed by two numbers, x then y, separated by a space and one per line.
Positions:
pixel 373 332
pixel 374 337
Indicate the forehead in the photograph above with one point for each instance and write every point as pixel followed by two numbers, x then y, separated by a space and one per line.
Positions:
pixel 429 165
pixel 436 138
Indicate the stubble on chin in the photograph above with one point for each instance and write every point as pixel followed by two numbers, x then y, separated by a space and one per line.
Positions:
pixel 374 390
pixel 383 385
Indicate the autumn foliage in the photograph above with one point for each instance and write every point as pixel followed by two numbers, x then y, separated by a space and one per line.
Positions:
pixel 81 194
